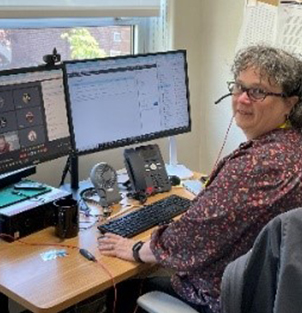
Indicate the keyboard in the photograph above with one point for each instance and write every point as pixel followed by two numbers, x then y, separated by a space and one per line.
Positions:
pixel 156 213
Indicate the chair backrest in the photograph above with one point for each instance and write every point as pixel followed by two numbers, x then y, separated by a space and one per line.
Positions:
pixel 268 279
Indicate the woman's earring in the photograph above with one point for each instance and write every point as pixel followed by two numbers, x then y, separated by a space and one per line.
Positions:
pixel 287 123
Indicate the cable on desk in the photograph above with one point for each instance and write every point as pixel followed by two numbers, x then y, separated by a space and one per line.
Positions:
pixel 88 195
pixel 86 210
pixel 85 253
pixel 38 244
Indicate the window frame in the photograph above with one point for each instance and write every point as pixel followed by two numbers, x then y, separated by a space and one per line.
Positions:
pixel 78 8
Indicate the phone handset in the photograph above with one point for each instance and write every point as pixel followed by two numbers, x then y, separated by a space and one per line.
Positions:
pixel 146 169
pixel 135 169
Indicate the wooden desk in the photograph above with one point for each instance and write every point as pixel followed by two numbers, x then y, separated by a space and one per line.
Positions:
pixel 51 286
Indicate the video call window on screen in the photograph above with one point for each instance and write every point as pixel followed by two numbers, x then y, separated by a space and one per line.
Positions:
pixel 128 99
pixel 33 117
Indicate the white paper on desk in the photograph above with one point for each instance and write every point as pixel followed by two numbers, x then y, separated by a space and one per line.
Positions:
pixel 290 28
pixel 122 176
pixel 193 185
pixel 259 25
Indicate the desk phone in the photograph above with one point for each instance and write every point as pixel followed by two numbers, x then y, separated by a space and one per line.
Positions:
pixel 146 170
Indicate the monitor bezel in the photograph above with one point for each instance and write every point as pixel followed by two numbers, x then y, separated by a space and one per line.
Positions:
pixel 58 153
pixel 132 140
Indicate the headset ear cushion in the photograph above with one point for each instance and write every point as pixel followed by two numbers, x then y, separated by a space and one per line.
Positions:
pixel 174 180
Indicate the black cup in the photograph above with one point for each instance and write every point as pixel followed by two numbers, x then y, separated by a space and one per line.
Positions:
pixel 67 225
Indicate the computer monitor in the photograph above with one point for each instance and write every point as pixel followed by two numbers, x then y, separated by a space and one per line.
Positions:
pixel 123 100
pixel 33 117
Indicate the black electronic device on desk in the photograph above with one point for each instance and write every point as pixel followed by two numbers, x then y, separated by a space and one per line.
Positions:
pixel 26 210
pixel 146 170
pixel 159 212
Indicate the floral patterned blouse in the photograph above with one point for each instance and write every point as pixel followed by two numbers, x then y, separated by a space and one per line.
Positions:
pixel 256 182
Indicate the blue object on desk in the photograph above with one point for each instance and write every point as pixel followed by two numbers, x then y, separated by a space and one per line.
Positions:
pixel 9 195
pixel 193 185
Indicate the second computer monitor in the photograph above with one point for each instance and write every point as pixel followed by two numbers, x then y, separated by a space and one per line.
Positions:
pixel 124 100
pixel 33 117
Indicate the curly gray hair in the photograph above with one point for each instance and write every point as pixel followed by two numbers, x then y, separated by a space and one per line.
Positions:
pixel 279 67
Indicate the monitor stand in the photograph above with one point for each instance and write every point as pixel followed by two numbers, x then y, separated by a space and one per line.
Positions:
pixel 173 168
pixel 15 176
pixel 75 187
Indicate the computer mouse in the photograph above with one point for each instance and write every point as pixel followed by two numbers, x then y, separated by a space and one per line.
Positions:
pixel 174 180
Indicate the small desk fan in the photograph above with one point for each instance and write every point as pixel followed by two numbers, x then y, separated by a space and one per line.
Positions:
pixel 104 180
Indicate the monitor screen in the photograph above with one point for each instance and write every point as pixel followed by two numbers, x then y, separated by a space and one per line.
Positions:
pixel 33 117
pixel 123 100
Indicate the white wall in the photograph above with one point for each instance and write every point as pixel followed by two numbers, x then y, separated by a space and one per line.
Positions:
pixel 208 29
pixel 221 22
pixel 186 25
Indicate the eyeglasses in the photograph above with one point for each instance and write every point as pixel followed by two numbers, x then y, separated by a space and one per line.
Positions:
pixel 254 94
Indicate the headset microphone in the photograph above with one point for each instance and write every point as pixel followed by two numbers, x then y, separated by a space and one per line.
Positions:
pixel 223 97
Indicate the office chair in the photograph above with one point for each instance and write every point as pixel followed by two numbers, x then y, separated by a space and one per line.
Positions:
pixel 160 302
pixel 267 279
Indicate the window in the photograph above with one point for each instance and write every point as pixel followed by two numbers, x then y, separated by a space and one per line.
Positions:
pixel 117 36
pixel 26 47
pixel 73 29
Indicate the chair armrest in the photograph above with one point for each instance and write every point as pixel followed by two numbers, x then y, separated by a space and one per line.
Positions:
pixel 160 302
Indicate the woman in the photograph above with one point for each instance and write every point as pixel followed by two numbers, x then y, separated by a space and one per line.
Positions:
pixel 258 181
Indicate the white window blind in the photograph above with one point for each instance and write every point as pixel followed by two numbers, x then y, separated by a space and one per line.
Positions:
pixel 78 8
